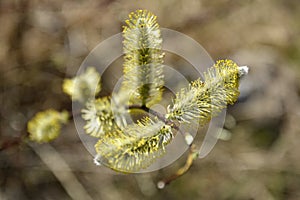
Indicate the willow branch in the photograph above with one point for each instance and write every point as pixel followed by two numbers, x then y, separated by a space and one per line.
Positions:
pixel 193 155
pixel 160 117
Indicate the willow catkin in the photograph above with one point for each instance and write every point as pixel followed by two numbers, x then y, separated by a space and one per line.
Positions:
pixel 135 147
pixel 204 100
pixel 143 70
pixel 45 126
pixel 98 116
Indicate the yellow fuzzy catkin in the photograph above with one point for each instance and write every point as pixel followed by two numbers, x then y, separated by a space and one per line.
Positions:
pixel 143 70
pixel 45 126
pixel 135 147
pixel 98 116
pixel 84 86
pixel 130 148
pixel 204 100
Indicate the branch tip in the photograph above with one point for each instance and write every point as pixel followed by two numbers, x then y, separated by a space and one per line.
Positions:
pixel 188 138
pixel 161 185
pixel 243 70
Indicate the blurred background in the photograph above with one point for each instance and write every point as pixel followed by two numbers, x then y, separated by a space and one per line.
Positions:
pixel 43 42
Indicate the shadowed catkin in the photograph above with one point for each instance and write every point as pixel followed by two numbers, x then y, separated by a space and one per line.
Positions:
pixel 84 86
pixel 98 116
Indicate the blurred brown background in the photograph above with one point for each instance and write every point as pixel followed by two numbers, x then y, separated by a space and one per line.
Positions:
pixel 42 42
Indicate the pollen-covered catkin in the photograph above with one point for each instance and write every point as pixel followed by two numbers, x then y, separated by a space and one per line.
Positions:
pixel 204 100
pixel 143 69
pixel 135 147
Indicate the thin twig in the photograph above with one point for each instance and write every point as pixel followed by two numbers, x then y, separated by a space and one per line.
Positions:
pixel 156 114
pixel 193 155
pixel 188 137
pixel 10 143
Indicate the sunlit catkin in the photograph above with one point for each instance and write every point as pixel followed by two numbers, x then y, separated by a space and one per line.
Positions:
pixel 143 70
pixel 204 100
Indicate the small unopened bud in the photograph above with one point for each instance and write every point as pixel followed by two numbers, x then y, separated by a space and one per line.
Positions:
pixel 188 138
pixel 243 70
pixel 161 185
pixel 96 160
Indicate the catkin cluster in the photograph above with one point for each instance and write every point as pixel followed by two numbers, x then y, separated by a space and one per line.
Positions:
pixel 131 147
